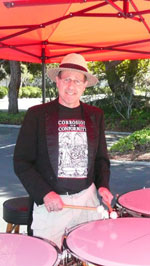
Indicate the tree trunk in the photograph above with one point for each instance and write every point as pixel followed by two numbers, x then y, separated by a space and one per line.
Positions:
pixel 14 85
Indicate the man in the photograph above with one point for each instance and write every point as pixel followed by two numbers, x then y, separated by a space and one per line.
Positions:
pixel 61 154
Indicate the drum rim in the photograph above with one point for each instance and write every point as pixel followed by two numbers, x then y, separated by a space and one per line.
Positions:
pixel 58 252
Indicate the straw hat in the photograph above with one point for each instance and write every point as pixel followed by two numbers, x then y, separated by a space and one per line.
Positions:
pixel 75 62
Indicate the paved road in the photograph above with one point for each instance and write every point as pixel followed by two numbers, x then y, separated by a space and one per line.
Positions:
pixel 125 176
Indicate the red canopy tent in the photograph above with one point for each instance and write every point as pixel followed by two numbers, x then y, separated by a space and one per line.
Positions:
pixel 45 30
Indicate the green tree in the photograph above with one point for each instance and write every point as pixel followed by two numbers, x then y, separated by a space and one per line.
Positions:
pixel 2 70
pixel 142 83
pixel 51 89
pixel 36 71
pixel 122 78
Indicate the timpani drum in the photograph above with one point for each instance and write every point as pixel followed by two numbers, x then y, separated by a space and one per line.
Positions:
pixel 22 250
pixel 119 242
pixel 135 203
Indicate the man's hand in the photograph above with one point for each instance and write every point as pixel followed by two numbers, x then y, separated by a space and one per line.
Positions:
pixel 105 194
pixel 53 202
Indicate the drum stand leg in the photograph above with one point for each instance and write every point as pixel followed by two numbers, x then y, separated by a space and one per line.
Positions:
pixel 69 260
pixel 12 227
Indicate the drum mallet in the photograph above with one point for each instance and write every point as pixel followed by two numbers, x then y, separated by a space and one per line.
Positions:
pixel 100 209
pixel 112 213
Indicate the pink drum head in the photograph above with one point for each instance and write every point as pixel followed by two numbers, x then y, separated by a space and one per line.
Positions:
pixel 21 250
pixel 138 201
pixel 120 242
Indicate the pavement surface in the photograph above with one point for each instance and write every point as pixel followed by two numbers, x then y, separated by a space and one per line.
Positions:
pixel 125 176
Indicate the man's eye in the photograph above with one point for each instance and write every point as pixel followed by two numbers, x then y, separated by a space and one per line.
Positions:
pixel 67 80
pixel 77 82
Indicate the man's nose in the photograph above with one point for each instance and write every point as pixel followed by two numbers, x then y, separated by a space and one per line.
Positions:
pixel 71 83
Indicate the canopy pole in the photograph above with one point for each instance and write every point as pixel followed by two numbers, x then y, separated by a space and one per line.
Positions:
pixel 43 76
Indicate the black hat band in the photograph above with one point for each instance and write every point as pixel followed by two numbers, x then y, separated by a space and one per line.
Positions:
pixel 73 66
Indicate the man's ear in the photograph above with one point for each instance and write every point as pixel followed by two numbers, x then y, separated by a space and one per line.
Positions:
pixel 85 85
pixel 57 80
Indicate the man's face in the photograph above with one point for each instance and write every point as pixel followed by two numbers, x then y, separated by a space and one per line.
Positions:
pixel 71 85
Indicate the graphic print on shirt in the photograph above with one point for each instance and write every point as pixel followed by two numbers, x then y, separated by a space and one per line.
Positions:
pixel 73 151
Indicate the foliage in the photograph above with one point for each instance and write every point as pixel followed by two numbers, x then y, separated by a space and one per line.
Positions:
pixel 122 78
pixel 30 92
pixel 26 77
pixel 98 69
pixel 34 69
pixel 139 119
pixel 139 140
pixel 13 119
pixel 4 69
pixel 143 84
pixel 3 91
pixel 2 73
pixel 51 92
